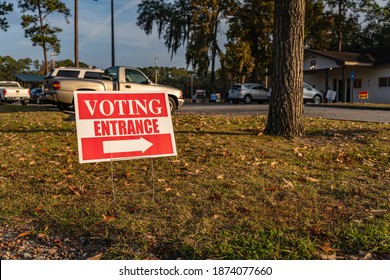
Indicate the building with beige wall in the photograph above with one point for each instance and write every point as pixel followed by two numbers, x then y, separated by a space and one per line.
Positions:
pixel 350 74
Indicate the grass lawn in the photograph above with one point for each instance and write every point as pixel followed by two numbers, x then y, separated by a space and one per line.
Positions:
pixel 231 193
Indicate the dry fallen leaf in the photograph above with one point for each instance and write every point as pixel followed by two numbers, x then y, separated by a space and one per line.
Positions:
pixel 74 190
pixel 108 218
pixel 96 257
pixel 288 185
pixel 105 219
pixel 296 150
pixel 313 180
pixel 23 234
pixel 327 248
pixel 42 236
pixel 273 188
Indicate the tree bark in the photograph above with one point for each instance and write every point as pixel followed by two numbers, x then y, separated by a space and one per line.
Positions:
pixel 285 116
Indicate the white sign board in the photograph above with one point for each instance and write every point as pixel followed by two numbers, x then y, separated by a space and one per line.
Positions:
pixel 331 94
pixel 123 125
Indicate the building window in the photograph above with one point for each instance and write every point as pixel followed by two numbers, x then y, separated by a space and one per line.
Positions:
pixel 357 83
pixel 384 82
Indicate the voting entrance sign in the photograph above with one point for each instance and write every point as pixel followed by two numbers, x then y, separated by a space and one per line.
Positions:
pixel 122 125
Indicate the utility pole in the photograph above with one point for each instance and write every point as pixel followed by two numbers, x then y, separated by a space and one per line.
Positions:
pixel 155 68
pixel 76 33
pixel 112 35
pixel 53 55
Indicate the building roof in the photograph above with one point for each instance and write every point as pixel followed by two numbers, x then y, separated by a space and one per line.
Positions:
pixel 363 57
pixel 26 78
pixel 346 58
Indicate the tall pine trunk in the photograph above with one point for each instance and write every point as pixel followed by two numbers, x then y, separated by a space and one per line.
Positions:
pixel 285 116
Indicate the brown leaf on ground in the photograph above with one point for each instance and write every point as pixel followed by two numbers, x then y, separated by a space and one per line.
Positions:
pixel 108 218
pixel 313 180
pixel 327 248
pixel 273 188
pixel 96 257
pixel 23 234
pixel 74 190
pixel 288 184
pixel 42 236
pixel 105 219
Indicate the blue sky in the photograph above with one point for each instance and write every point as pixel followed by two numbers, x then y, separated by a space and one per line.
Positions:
pixel 132 46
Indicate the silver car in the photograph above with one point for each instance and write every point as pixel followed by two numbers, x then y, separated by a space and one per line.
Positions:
pixel 310 94
pixel 247 93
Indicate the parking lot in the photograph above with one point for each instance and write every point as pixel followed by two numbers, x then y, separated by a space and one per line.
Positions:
pixel 309 111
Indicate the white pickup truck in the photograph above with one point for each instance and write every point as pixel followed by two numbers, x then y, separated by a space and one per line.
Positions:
pixel 59 88
pixel 11 91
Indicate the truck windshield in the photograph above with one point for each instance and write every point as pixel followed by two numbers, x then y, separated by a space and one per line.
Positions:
pixel 112 72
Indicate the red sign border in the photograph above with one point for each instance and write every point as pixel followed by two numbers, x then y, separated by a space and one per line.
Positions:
pixel 88 145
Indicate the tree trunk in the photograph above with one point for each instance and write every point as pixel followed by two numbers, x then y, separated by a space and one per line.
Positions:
pixel 340 23
pixel 43 34
pixel 285 116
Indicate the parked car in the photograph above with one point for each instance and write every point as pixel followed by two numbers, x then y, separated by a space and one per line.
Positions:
pixel 247 93
pixel 37 96
pixel 60 89
pixel 311 94
pixel 11 91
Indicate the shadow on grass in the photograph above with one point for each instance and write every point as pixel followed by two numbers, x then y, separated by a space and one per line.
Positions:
pixel 16 108
pixel 357 135
pixel 246 132
pixel 24 131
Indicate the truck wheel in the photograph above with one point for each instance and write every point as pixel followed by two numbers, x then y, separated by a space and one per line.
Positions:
pixel 172 105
